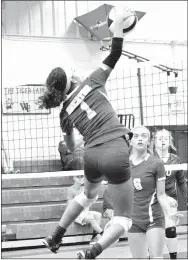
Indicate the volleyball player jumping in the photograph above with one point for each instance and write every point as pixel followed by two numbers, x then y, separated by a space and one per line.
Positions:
pixel 86 106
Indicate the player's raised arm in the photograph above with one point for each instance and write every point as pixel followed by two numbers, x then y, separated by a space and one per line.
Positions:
pixel 117 41
pixel 116 47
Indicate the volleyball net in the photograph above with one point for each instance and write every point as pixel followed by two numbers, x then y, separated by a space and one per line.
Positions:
pixel 144 94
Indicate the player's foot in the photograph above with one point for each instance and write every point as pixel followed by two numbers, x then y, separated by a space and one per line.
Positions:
pixel 85 254
pixel 80 255
pixel 51 244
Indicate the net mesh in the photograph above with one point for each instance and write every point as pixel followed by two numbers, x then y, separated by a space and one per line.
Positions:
pixel 31 137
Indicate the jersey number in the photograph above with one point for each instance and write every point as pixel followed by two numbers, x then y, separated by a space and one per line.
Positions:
pixel 90 113
pixel 168 173
pixel 137 183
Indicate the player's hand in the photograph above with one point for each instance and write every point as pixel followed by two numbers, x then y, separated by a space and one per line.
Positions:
pixel 176 217
pixel 122 14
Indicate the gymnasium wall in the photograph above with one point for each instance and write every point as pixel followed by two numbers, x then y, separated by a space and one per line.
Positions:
pixel 39 35
pixel 55 18
pixel 28 61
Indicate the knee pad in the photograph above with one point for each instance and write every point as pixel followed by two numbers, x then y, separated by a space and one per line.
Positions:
pixel 84 201
pixel 170 232
pixel 126 223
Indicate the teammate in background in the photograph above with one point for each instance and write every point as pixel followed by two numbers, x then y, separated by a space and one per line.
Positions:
pixel 106 152
pixel 7 164
pixel 86 216
pixel 148 228
pixel 163 141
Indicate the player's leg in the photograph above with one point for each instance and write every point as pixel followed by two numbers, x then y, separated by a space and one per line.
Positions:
pixel 171 235
pixel 90 218
pixel 94 218
pixel 76 206
pixel 138 242
pixel 156 239
pixel 122 197
pixel 81 201
pixel 172 245
pixel 114 164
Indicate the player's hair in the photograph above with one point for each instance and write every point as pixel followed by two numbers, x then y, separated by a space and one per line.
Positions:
pixel 141 126
pixel 170 135
pixel 56 84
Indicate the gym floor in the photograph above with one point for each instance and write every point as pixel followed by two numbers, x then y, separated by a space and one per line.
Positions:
pixel 117 251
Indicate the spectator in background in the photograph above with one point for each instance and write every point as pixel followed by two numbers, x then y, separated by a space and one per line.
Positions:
pixel 163 145
pixel 7 164
pixel 72 160
pixel 86 216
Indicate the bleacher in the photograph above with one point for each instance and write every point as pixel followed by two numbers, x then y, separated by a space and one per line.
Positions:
pixel 32 205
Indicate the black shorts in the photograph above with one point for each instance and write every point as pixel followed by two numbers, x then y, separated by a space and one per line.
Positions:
pixel 110 160
pixel 144 227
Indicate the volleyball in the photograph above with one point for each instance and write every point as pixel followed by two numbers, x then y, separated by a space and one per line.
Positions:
pixel 130 18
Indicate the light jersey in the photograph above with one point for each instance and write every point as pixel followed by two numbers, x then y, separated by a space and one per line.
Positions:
pixel 173 176
pixel 146 208
pixel 91 112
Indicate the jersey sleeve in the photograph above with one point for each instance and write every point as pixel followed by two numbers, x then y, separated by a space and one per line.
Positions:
pixel 99 77
pixel 160 171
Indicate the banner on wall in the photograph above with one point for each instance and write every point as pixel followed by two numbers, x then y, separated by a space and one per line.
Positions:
pixel 22 100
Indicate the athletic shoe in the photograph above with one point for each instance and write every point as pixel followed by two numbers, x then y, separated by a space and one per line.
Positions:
pixel 85 254
pixel 51 244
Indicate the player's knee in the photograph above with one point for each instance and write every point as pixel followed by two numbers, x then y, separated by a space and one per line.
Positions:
pixel 98 215
pixel 126 223
pixel 84 201
pixel 90 219
pixel 170 232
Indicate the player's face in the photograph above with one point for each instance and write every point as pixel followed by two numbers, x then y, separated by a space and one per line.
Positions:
pixel 140 139
pixel 162 140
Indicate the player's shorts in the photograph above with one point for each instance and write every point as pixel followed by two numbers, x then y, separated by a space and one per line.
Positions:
pixel 110 159
pixel 143 228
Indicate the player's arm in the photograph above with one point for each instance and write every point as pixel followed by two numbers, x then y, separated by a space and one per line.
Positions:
pixel 70 141
pixel 160 187
pixel 161 196
pixel 68 132
pixel 116 48
pixel 101 74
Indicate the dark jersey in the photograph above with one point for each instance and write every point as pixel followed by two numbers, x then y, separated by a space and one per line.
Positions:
pixel 146 208
pixel 173 177
pixel 90 111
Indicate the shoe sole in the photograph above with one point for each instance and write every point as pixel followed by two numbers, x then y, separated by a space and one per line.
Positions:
pixel 80 255
pixel 47 245
pixel 92 243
